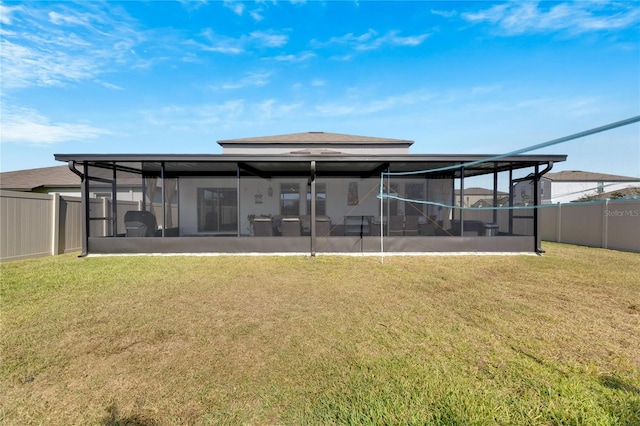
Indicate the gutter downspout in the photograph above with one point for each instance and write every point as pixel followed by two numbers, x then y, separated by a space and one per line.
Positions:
pixel 84 189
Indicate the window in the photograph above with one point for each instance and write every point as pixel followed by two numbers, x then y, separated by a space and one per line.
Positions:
pixel 321 200
pixel 290 199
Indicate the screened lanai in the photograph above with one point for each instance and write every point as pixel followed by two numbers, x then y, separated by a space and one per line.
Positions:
pixel 308 204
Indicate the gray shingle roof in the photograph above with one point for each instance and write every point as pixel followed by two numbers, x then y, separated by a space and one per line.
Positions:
pixel 316 138
pixel 31 179
pixel 624 192
pixel 580 176
pixel 479 191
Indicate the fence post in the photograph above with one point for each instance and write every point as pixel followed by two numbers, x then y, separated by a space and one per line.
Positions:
pixel 55 224
pixel 605 224
pixel 559 223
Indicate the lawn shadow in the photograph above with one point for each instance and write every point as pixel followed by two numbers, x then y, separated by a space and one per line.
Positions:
pixel 613 382
pixel 113 418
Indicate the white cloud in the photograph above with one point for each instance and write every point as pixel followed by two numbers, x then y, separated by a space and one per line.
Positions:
pixel 192 4
pixel 463 95
pixel 69 46
pixel 394 39
pixel 72 19
pixel 318 82
pixel 235 6
pixel 269 39
pixel 256 15
pixel 349 39
pixel 229 45
pixel 23 66
pixel 110 85
pixel 371 40
pixel 224 47
pixel 252 79
pixel 232 114
pixel 344 58
pixel 192 118
pixel 444 13
pixel 240 6
pixel 25 125
pixel 300 57
pixel 272 109
pixel 85 41
pixel 571 107
pixel 517 18
pixel 354 104
pixel 221 44
pixel 6 12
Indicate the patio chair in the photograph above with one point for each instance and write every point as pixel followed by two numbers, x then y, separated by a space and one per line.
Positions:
pixel 428 228
pixel 140 224
pixel 396 226
pixel 323 226
pixel 411 225
pixel 305 224
pixel 262 227
pixel 375 228
pixel 291 227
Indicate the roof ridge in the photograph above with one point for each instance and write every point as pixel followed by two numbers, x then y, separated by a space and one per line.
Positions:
pixel 316 137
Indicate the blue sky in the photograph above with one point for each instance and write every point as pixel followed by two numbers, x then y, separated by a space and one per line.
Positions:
pixel 455 77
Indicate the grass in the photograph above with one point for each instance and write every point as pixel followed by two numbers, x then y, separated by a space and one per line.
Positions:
pixel 463 340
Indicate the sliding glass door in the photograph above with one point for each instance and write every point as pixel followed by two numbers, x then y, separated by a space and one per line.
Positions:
pixel 217 210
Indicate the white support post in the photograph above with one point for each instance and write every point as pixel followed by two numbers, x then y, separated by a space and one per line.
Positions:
pixel 55 225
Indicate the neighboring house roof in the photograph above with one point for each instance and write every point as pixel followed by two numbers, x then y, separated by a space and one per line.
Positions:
pixel 34 179
pixel 631 191
pixel 580 176
pixel 479 191
pixel 316 138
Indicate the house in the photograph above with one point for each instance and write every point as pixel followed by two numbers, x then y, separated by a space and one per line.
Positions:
pixel 61 180
pixel 572 185
pixel 45 180
pixel 312 192
pixel 480 197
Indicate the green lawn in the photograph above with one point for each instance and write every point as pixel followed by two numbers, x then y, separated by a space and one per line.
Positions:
pixel 327 340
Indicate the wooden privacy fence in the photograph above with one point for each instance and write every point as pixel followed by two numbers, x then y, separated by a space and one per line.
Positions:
pixel 613 224
pixel 33 225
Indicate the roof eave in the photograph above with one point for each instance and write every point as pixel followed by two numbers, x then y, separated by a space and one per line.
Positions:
pixel 380 143
pixel 305 157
